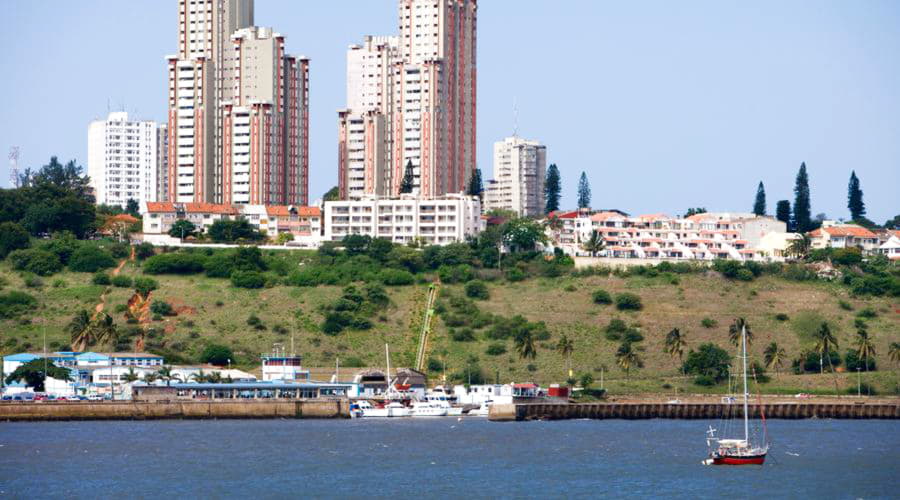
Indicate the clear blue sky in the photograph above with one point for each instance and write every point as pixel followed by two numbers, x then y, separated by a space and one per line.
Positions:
pixel 664 104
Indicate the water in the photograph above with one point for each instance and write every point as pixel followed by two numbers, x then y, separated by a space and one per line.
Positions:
pixel 416 458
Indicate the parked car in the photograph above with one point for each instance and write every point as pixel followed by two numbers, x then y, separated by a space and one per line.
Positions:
pixel 95 397
pixel 7 398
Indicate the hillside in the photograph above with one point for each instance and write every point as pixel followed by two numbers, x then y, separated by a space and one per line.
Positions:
pixel 210 310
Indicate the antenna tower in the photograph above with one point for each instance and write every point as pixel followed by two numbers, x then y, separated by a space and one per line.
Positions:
pixel 14 167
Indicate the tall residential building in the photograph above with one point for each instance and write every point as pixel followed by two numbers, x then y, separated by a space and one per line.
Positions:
pixel 123 159
pixel 520 167
pixel 411 101
pixel 162 163
pixel 238 109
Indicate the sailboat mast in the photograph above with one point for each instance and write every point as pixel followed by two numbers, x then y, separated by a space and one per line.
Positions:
pixel 744 362
pixel 387 357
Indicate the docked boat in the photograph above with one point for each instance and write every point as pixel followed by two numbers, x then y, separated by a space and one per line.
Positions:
pixel 482 411
pixel 738 451
pixel 428 409
pixel 392 409
pixel 440 398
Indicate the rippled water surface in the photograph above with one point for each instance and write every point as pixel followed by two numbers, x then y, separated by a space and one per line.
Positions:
pixel 416 458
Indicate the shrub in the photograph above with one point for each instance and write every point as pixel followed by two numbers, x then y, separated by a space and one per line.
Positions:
pixel 632 336
pixel 708 323
pixel 161 307
pixel 434 365
pixel 710 360
pixel 12 237
pixel 628 302
pixel 531 367
pixel 463 335
pixel 144 286
pixel 811 361
pixel 353 362
pixel 101 279
pixel 705 380
pixel 396 277
pixel 867 313
pixel 601 297
pixel 495 350
pixel 120 250
pixel 37 261
pixel 515 274
pixel 90 259
pixel 216 354
pixel 846 256
pixel 59 283
pixel 455 274
pixel 863 388
pixel 247 279
pixel 798 272
pixel 845 305
pixel 744 275
pixel 570 288
pixel 782 317
pixel 852 361
pixel 477 290
pixel 122 281
pixel 144 251
pixel 16 303
pixel 175 263
pixel 33 281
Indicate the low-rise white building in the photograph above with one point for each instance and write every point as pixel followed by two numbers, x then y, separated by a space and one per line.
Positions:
pixel 303 223
pixel 433 221
pixel 891 247
pixel 835 235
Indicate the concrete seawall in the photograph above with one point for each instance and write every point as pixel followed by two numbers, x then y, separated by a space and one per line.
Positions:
pixel 560 411
pixel 337 408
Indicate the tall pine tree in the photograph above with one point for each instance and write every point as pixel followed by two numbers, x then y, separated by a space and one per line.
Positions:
pixel 855 198
pixel 552 188
pixel 759 206
pixel 584 192
pixel 476 187
pixel 783 212
pixel 802 219
pixel 407 185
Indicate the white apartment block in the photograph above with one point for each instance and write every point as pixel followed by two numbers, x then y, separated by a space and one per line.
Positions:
pixel 422 84
pixel 520 167
pixel 433 221
pixel 123 159
pixel 706 236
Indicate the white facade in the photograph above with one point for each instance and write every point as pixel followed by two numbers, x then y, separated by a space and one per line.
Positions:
pixel 123 159
pixel 520 167
pixel 448 219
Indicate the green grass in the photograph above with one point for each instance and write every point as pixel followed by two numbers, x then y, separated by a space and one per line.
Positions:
pixel 565 311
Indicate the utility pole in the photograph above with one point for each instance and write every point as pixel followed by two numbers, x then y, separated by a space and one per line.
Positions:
pixel 858 382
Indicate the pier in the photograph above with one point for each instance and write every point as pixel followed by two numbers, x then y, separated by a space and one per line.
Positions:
pixel 635 411
pixel 126 410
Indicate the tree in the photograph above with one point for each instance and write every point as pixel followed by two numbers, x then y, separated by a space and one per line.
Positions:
pixel 406 185
pixel 799 247
pixel 524 340
pixel 675 344
pixel 774 356
pixel 80 330
pixel 552 189
pixel 476 186
pixel 566 347
pixel 90 259
pixel 523 234
pixel 12 237
pixel 892 223
pixel 709 360
pixel 627 357
pixel 594 244
pixel 694 211
pixel 333 194
pixel 894 352
pixel 864 345
pixel 183 228
pixel 802 220
pixel 825 344
pixel 151 377
pixel 584 192
pixel 227 231
pixel 216 354
pixel 130 376
pixel 36 371
pixel 759 206
pixel 200 377
pixel 783 212
pixel 165 373
pixel 734 332
pixel 132 207
pixel 855 198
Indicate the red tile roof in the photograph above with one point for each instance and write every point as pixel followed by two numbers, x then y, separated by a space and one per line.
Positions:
pixel 210 208
pixel 284 211
pixel 849 230
pixel 160 206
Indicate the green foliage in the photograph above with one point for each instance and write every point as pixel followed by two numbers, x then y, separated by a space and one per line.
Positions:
pixel 12 237
pixel 867 313
pixel 477 290
pixel 56 198
pixel 802 219
pixel 182 229
pixel 845 305
pixel 809 361
pixel 333 194
pixel 248 279
pixel 515 274
pixel 34 260
pixel 708 323
pixel 709 360
pixel 101 279
pixel 615 330
pixel 144 250
pixel 456 274
pixel 694 211
pixel 216 354
pixel 855 198
pixel 552 189
pixel 584 191
pixel 15 303
pixel 231 231
pixel 63 245
pixel 122 281
pixel 628 302
pixel 783 212
pixel 601 296
pixel 396 277
pixel 476 186
pixel 782 317
pixel 175 263
pixel 759 204
pixel 90 259
pixel 34 373
pixel 406 185
pixel 522 234
pixel 462 335
pixel 495 350
pixel 852 361
pixel 733 269
pixel 119 250
pixel 434 365
pixel 144 286
pixel 162 308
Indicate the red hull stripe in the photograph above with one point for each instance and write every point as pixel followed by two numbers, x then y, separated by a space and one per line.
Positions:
pixel 758 460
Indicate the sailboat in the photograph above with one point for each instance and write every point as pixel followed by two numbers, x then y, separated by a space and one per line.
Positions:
pixel 736 451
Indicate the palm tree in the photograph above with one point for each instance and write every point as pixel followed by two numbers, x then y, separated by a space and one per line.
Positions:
pixel 628 358
pixel 525 344
pixel 799 247
pixel 566 347
pixel 130 376
pixel 734 332
pixel 165 373
pixel 81 331
pixel 200 377
pixel 105 328
pixel 594 244
pixel 825 344
pixel 151 377
pixel 215 378
pixel 774 356
pixel 864 346
pixel 894 352
pixel 675 344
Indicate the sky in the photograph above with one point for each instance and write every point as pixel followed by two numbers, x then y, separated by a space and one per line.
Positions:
pixel 665 105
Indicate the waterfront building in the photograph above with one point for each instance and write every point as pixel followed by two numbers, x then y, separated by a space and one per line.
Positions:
pixel 276 389
pixel 72 359
pixel 520 167
pixel 277 366
pixel 439 221
pixel 123 159
pixel 411 101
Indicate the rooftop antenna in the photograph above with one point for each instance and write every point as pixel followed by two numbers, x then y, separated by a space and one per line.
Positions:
pixel 515 117
pixel 14 167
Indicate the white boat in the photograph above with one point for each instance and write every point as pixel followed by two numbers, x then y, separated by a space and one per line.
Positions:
pixel 482 411
pixel 440 398
pixel 428 409
pixel 392 409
